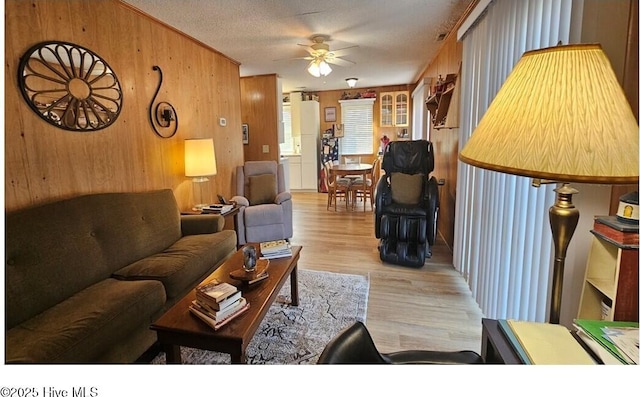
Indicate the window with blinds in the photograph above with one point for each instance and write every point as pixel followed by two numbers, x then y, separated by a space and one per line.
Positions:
pixel 357 118
pixel 287 146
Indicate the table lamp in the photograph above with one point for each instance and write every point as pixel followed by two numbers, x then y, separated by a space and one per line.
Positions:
pixel 199 162
pixel 560 116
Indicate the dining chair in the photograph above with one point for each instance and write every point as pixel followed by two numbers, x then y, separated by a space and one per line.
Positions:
pixel 336 187
pixel 363 188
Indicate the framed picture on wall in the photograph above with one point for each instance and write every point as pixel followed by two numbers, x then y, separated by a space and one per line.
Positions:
pixel 338 131
pixel 245 134
pixel 330 114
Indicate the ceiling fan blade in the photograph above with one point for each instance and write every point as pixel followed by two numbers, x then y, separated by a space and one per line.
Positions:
pixel 339 61
pixel 342 51
pixel 307 48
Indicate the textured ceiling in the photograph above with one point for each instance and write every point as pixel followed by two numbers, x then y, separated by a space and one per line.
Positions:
pixel 395 39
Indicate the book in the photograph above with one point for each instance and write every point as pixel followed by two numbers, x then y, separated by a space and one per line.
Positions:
pixel 513 340
pixel 216 325
pixel 223 303
pixel 219 315
pixel 215 290
pixel 622 233
pixel 596 329
pixel 277 255
pixel 257 279
pixel 550 344
pixel 217 208
pixel 271 247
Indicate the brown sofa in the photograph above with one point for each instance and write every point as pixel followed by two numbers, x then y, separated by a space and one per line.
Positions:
pixel 86 276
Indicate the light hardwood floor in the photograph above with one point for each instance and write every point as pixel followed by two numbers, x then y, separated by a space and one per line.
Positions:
pixel 428 308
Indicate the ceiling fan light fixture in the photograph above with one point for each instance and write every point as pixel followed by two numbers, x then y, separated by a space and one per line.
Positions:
pixel 351 81
pixel 318 67
pixel 325 69
pixel 314 69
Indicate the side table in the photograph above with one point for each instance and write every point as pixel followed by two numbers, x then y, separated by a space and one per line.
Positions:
pixel 230 219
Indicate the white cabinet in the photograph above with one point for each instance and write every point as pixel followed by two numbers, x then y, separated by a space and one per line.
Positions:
pixel 295 173
pixel 305 118
pixel 394 109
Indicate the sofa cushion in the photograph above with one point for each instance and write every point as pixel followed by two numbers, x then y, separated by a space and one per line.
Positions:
pixel 87 324
pixel 406 188
pixel 262 189
pixel 88 237
pixel 184 264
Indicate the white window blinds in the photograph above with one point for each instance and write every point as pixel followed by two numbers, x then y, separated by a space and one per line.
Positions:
pixel 287 146
pixel 357 118
pixel 503 243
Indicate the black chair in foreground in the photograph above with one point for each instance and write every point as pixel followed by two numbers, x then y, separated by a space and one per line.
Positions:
pixel 354 345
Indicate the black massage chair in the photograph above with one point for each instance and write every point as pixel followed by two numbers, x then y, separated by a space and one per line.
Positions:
pixel 407 203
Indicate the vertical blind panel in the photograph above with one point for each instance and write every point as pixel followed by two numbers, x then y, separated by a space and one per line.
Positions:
pixel 417 96
pixel 503 243
pixel 358 128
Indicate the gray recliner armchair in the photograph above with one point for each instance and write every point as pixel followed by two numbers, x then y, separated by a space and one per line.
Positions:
pixel 266 209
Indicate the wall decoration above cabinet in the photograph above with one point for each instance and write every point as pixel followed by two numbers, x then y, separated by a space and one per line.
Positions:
pixel 438 103
pixel 394 109
pixel 69 86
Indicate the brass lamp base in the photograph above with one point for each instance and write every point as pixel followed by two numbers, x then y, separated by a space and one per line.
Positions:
pixel 563 217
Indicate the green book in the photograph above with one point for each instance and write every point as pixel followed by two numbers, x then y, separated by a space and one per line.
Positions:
pixel 594 328
pixel 513 339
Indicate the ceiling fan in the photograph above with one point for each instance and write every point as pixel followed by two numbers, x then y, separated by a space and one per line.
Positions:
pixel 321 56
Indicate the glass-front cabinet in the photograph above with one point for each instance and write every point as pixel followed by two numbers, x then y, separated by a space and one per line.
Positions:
pixel 394 109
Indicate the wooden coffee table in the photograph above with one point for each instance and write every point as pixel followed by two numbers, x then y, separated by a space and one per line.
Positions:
pixel 178 327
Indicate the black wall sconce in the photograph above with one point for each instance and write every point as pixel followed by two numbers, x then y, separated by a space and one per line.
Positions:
pixel 163 115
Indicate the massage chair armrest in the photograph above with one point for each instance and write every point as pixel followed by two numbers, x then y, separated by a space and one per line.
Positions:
pixel 434 357
pixel 201 224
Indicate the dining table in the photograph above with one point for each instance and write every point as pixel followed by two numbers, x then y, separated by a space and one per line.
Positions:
pixel 352 171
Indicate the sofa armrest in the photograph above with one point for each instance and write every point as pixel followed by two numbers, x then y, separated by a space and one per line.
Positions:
pixel 240 201
pixel 282 197
pixel 201 224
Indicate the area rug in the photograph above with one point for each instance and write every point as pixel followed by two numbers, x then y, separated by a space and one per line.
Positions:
pixel 329 302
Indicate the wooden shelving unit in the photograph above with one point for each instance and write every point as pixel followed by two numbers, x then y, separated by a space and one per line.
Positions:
pixel 611 276
pixel 438 103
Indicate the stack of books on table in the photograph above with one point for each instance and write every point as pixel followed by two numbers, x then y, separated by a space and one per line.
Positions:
pixel 218 303
pixel 220 209
pixel 275 249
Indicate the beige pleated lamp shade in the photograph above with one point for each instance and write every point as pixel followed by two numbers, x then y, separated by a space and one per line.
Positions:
pixel 199 157
pixel 561 115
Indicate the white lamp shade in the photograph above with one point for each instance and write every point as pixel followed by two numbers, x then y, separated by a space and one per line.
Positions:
pixel 314 69
pixel 199 157
pixel 352 82
pixel 561 115
pixel 325 69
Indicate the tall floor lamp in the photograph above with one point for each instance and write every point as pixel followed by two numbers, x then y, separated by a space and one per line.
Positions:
pixel 561 116
pixel 199 163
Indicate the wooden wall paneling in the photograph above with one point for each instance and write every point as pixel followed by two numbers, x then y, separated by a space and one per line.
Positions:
pixel 260 112
pixel 44 163
pixel 445 140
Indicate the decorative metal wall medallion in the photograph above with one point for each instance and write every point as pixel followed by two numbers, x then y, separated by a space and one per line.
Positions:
pixel 69 86
pixel 163 114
